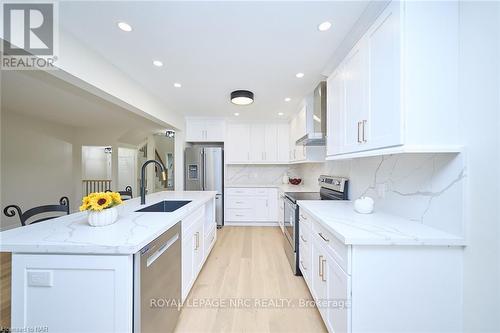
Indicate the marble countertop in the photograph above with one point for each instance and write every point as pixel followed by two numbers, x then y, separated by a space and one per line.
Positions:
pixel 378 228
pixel 131 232
pixel 282 187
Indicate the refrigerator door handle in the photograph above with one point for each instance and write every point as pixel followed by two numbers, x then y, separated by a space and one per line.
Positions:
pixel 203 170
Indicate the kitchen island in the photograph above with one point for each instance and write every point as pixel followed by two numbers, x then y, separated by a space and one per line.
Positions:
pixel 70 277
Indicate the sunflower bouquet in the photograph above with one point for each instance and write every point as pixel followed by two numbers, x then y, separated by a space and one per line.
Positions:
pixel 100 200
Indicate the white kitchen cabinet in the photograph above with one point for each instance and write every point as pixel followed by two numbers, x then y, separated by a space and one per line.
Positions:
pixel 399 83
pixel 356 110
pixel 237 145
pixel 193 249
pixel 249 205
pixel 205 130
pixel 283 140
pixel 336 112
pixel 353 279
pixel 88 291
pixel 257 143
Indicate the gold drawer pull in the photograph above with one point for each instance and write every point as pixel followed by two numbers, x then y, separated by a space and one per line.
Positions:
pixel 303 239
pixel 302 216
pixel 323 278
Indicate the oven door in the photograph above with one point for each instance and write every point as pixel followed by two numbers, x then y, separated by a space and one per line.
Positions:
pixel 290 243
pixel 290 218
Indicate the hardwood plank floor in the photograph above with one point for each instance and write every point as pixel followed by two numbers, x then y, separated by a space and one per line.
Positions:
pixel 248 264
pixel 5 277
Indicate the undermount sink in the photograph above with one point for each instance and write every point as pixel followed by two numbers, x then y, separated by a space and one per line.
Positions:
pixel 165 206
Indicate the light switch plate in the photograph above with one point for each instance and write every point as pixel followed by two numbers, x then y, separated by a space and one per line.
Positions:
pixel 40 278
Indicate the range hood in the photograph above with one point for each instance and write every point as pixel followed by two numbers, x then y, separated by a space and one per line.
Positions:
pixel 315 118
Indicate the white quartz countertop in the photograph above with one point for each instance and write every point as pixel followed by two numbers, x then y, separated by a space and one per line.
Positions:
pixel 282 187
pixel 378 228
pixel 131 232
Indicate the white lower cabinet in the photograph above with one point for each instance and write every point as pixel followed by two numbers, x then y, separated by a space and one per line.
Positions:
pixel 381 288
pixel 247 205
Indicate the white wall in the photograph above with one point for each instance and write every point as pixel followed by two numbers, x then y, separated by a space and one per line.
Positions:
pixel 37 163
pixel 480 109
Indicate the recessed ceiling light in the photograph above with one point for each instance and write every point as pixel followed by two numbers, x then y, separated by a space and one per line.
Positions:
pixel 280 114
pixel 125 26
pixel 242 97
pixel 288 99
pixel 299 75
pixel 324 26
pixel 236 114
pixel 157 63
pixel 177 85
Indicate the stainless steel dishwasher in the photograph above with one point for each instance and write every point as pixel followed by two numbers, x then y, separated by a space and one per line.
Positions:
pixel 157 283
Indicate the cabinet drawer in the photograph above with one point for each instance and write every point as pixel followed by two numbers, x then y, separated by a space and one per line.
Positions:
pixel 305 219
pixel 339 251
pixel 239 202
pixel 240 191
pixel 194 217
pixel 240 214
pixel 210 239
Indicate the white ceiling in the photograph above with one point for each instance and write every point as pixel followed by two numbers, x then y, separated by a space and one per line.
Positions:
pixel 213 48
pixel 57 101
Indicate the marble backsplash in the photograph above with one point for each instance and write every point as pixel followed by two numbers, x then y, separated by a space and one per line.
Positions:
pixel 255 174
pixel 425 188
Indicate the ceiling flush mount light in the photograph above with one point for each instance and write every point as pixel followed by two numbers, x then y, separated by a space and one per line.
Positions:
pixel 288 99
pixel 157 63
pixel 242 97
pixel 280 114
pixel 236 114
pixel 124 26
pixel 177 85
pixel 299 75
pixel 324 26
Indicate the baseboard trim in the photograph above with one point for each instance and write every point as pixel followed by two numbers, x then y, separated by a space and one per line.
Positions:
pixel 251 224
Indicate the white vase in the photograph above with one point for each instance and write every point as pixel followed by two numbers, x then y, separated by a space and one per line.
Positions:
pixel 102 218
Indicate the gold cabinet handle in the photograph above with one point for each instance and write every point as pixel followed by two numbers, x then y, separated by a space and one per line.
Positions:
pixel 323 278
pixel 324 238
pixel 364 130
pixel 320 267
pixel 302 216
pixel 197 235
pixel 302 264
pixel 359 130
pixel 303 239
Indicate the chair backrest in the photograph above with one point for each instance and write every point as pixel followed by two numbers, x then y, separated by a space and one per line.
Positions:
pixel 63 206
pixel 125 195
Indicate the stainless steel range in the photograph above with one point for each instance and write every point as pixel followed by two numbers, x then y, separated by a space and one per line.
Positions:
pixel 331 188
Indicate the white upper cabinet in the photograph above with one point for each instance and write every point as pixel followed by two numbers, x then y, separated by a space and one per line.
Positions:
pixel 205 130
pixel 336 112
pixel 383 128
pixel 257 143
pixel 237 145
pixel 396 89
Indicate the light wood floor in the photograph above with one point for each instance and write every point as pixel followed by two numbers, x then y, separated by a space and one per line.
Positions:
pixel 249 263
pixel 5 274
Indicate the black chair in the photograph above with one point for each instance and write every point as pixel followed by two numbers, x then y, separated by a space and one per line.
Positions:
pixel 63 206
pixel 126 195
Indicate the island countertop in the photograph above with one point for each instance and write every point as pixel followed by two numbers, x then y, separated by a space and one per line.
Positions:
pixel 378 228
pixel 131 232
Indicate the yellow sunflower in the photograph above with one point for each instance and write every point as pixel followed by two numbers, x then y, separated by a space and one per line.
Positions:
pixel 100 201
pixel 85 203
pixel 116 197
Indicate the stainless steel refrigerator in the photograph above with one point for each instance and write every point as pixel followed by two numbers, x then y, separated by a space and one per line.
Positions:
pixel 204 168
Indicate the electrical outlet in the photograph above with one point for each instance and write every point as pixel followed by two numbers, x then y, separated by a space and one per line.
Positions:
pixel 40 279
